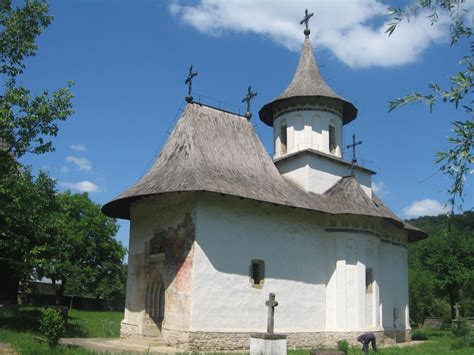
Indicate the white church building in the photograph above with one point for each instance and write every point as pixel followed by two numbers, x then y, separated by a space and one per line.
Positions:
pixel 217 224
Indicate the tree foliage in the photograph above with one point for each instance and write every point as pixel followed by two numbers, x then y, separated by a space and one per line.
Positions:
pixel 26 206
pixel 457 161
pixel 42 233
pixel 83 249
pixel 26 120
pixel 441 267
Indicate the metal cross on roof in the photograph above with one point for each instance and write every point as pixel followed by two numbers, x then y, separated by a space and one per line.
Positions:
pixel 271 304
pixel 189 82
pixel 305 21
pixel 248 98
pixel 353 146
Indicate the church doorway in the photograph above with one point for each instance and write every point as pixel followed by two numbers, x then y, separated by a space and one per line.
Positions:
pixel 155 304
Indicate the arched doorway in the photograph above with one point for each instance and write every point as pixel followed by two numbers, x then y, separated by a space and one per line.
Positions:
pixel 155 302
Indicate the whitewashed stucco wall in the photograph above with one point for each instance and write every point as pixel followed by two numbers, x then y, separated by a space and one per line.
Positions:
pixel 317 174
pixel 308 129
pixel 229 234
pixel 318 276
pixel 315 264
pixel 394 286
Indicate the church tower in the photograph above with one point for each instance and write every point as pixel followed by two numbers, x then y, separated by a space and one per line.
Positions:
pixel 308 120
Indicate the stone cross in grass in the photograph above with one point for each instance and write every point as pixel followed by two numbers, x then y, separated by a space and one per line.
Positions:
pixel 456 309
pixel 271 304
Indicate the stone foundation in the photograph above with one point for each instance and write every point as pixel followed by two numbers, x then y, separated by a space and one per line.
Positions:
pixel 206 341
pixel 128 330
pixel 393 336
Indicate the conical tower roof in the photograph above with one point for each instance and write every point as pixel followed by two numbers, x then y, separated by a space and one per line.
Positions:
pixel 308 82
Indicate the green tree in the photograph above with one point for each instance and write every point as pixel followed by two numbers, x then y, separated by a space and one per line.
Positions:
pixel 26 207
pixel 446 259
pixel 84 250
pixel 457 161
pixel 420 285
pixel 26 120
pixel 26 124
pixel 113 285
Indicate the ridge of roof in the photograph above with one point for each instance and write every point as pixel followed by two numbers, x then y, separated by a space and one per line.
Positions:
pixel 216 151
pixel 308 82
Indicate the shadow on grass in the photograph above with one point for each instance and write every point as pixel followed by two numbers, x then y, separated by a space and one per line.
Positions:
pixel 20 318
pixel 26 319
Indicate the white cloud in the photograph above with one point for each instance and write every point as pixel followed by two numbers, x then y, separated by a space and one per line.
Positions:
pixel 64 170
pixel 82 163
pixel 426 207
pixel 81 186
pixel 354 31
pixel 79 147
pixel 380 188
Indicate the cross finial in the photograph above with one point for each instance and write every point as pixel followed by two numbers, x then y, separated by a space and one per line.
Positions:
pixel 248 98
pixel 271 304
pixel 305 21
pixel 353 146
pixel 189 82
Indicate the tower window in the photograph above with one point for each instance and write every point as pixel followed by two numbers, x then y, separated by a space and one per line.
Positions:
pixel 283 137
pixel 332 138
pixel 369 280
pixel 257 272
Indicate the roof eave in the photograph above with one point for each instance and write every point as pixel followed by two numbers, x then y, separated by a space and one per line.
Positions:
pixel 349 111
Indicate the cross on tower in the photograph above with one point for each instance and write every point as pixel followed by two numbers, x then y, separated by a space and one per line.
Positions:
pixel 353 146
pixel 305 21
pixel 248 98
pixel 189 82
pixel 271 304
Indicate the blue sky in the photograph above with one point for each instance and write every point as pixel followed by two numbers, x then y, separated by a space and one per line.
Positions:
pixel 129 60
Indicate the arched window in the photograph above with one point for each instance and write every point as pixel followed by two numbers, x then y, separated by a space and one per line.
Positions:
pixel 257 273
pixel 283 137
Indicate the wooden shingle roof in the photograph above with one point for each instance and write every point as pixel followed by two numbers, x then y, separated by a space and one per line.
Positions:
pixel 215 151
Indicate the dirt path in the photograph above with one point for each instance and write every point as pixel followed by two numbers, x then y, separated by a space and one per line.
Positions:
pixel 7 349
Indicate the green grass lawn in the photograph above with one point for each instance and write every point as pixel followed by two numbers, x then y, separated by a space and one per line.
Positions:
pixel 19 325
pixel 439 342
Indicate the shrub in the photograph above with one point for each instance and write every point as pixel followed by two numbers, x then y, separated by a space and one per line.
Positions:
pixel 461 328
pixel 419 336
pixel 462 332
pixel 52 326
pixel 343 345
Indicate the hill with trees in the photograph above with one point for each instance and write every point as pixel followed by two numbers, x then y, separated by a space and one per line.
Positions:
pixel 441 267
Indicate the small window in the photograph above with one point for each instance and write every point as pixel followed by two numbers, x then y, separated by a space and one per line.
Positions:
pixel 283 137
pixel 332 138
pixel 257 272
pixel 369 280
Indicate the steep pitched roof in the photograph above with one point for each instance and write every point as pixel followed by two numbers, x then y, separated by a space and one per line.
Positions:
pixel 216 151
pixel 308 82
